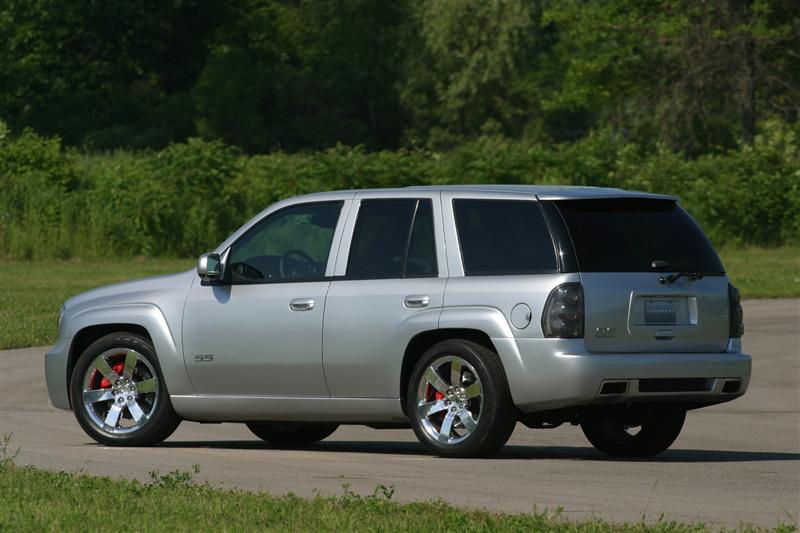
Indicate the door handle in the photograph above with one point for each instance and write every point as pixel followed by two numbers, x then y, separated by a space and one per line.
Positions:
pixel 301 304
pixel 417 301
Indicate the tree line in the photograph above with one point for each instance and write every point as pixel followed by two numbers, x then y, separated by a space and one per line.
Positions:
pixel 690 76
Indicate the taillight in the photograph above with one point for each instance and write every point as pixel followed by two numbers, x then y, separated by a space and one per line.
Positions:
pixel 563 312
pixel 737 315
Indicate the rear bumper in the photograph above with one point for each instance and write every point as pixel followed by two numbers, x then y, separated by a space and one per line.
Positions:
pixel 558 373
pixel 55 373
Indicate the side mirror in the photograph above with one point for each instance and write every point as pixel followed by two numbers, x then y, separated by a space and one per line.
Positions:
pixel 209 267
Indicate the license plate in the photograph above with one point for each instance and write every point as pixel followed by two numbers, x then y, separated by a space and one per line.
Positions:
pixel 660 312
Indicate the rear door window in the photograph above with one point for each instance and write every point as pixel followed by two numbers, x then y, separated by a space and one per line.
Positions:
pixel 501 237
pixel 628 234
pixel 393 238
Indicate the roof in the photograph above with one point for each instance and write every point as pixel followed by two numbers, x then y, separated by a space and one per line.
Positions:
pixel 542 192
pixel 549 192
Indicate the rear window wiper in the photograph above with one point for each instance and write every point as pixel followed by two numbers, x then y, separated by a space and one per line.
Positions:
pixel 672 278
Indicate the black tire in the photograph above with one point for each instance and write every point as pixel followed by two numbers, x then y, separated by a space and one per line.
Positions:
pixel 291 433
pixel 497 413
pixel 161 420
pixel 658 429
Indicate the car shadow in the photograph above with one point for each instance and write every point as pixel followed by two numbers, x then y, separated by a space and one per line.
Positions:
pixel 512 451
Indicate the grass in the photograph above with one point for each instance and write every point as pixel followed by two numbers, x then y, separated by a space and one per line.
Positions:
pixel 31 293
pixel 764 272
pixel 37 500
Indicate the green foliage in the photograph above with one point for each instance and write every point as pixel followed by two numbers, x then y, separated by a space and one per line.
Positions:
pixel 7 456
pixel 36 180
pixel 71 503
pixel 467 73
pixel 265 75
pixel 188 197
pixel 695 76
pixel 764 272
pixel 175 479
pixel 103 74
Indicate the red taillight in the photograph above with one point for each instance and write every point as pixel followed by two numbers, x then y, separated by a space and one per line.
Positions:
pixel 737 315
pixel 563 312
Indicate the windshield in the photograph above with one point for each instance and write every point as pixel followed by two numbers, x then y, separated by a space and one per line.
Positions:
pixel 628 234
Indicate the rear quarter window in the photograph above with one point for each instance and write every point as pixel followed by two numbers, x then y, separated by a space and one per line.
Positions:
pixel 503 237
pixel 628 234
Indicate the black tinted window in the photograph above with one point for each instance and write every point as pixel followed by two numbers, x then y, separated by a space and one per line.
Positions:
pixel 628 234
pixel 503 237
pixel 421 259
pixel 384 245
pixel 292 244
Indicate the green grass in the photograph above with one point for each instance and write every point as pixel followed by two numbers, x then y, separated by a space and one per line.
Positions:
pixel 37 500
pixel 31 293
pixel 764 272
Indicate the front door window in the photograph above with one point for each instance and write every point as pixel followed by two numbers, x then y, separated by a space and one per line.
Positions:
pixel 292 244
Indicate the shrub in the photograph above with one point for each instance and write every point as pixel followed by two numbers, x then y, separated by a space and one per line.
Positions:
pixel 188 197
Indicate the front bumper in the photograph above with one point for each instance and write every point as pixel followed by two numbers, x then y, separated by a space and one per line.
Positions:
pixel 568 376
pixel 55 373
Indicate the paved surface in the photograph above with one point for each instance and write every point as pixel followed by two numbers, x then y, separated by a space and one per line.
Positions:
pixel 734 463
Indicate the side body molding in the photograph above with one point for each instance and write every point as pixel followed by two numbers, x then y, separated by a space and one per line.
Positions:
pixel 491 321
pixel 150 317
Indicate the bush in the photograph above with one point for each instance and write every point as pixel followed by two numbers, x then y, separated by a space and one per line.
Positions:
pixel 188 197
pixel 37 182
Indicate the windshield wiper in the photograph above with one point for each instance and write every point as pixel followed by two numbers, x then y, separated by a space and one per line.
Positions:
pixel 672 278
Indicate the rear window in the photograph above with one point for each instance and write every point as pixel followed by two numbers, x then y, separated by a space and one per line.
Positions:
pixel 628 234
pixel 500 237
pixel 393 238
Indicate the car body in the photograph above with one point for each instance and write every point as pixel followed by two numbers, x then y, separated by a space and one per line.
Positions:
pixel 316 311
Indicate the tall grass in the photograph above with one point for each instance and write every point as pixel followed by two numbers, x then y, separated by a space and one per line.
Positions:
pixel 186 198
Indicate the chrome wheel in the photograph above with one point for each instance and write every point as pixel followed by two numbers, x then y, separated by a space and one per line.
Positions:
pixel 120 391
pixel 449 400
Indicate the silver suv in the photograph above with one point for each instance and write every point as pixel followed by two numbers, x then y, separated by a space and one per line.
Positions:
pixel 456 310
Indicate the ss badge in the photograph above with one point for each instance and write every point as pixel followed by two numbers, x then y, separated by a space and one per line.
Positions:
pixel 605 332
pixel 206 358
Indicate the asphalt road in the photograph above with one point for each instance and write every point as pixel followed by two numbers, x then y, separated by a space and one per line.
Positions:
pixel 734 463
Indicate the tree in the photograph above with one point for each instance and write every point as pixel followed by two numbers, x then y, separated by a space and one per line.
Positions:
pixel 691 74
pixel 306 74
pixel 468 69
pixel 103 73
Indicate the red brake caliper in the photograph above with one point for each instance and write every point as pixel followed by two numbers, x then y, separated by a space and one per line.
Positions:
pixel 116 367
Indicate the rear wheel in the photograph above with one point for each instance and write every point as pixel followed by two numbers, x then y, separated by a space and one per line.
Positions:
pixel 291 433
pixel 458 400
pixel 637 432
pixel 118 393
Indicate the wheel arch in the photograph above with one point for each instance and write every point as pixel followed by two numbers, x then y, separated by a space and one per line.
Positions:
pixel 421 342
pixel 486 326
pixel 86 336
pixel 146 320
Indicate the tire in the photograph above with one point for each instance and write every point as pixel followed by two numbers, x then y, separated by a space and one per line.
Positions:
pixel 610 432
pixel 481 413
pixel 291 433
pixel 116 412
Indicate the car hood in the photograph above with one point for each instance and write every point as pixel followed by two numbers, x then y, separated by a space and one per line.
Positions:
pixel 151 290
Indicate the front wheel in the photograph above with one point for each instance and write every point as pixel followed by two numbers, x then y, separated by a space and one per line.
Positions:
pixel 458 400
pixel 118 392
pixel 291 433
pixel 637 432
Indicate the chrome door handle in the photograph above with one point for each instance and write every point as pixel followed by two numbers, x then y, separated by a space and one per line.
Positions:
pixel 301 304
pixel 417 301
